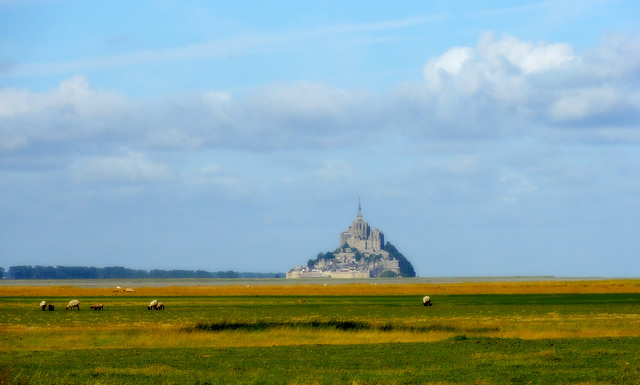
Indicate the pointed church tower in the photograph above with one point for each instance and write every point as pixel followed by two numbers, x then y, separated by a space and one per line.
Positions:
pixel 360 236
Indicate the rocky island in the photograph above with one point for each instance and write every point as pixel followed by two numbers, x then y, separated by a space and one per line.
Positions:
pixel 362 254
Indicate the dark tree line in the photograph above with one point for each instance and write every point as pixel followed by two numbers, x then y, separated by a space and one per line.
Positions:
pixel 119 272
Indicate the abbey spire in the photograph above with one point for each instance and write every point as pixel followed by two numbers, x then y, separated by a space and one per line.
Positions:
pixel 360 254
pixel 361 237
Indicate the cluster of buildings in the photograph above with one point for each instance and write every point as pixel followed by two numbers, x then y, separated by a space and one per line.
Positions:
pixel 361 254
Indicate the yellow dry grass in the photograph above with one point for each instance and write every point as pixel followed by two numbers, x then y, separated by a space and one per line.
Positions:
pixel 16 337
pixel 151 370
pixel 172 336
pixel 532 287
pixel 150 335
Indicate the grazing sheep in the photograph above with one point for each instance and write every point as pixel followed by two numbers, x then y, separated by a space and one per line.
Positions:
pixel 301 301
pixel 426 301
pixel 73 303
pixel 153 305
pixel 160 306
pixel 51 307
pixel 129 290
pixel 43 305
pixel 97 306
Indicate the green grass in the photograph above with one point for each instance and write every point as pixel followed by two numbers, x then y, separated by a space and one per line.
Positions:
pixel 23 310
pixel 454 361
pixel 325 340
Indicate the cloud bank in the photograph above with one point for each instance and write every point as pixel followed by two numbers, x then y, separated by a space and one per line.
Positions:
pixel 503 86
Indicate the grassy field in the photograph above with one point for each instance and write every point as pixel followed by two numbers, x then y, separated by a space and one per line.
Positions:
pixel 476 333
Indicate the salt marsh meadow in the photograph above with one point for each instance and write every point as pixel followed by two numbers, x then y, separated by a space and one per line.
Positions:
pixel 583 332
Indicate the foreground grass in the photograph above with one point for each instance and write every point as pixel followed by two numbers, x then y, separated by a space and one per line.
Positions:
pixel 459 360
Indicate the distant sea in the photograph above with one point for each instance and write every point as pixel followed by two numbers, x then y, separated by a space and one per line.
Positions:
pixel 153 282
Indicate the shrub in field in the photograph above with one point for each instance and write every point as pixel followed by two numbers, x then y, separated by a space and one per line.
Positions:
pixel 459 337
pixel 264 325
pixel 340 325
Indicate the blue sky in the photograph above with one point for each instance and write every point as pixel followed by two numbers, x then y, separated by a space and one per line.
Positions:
pixel 484 138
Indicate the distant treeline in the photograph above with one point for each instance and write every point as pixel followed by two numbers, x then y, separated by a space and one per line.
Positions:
pixel 119 272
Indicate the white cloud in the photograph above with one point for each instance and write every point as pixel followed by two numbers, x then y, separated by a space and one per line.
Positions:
pixel 14 101
pixel 498 68
pixel 510 85
pixel 277 117
pixel 501 88
pixel 73 113
pixel 527 57
pixel 74 93
pixel 617 57
pixel 128 168
pixel 584 103
pixel 450 64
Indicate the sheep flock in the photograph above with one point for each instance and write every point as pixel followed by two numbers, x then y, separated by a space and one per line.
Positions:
pixel 154 304
pixel 75 304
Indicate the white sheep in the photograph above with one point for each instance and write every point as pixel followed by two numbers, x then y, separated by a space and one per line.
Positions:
pixel 160 306
pixel 426 301
pixel 43 305
pixel 73 303
pixel 153 305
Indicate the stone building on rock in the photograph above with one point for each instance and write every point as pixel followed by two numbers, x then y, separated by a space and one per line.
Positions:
pixel 361 254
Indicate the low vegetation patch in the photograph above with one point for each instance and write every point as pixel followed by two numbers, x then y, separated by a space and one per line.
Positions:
pixel 264 325
pixel 339 325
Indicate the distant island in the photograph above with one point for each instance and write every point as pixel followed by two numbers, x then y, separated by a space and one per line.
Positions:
pixel 362 254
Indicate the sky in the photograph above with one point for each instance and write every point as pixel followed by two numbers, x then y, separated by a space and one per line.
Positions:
pixel 484 138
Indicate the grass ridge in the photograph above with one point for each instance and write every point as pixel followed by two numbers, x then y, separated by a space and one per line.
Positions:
pixel 341 325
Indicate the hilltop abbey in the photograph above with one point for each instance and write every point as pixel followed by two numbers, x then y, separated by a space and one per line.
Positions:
pixel 361 254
